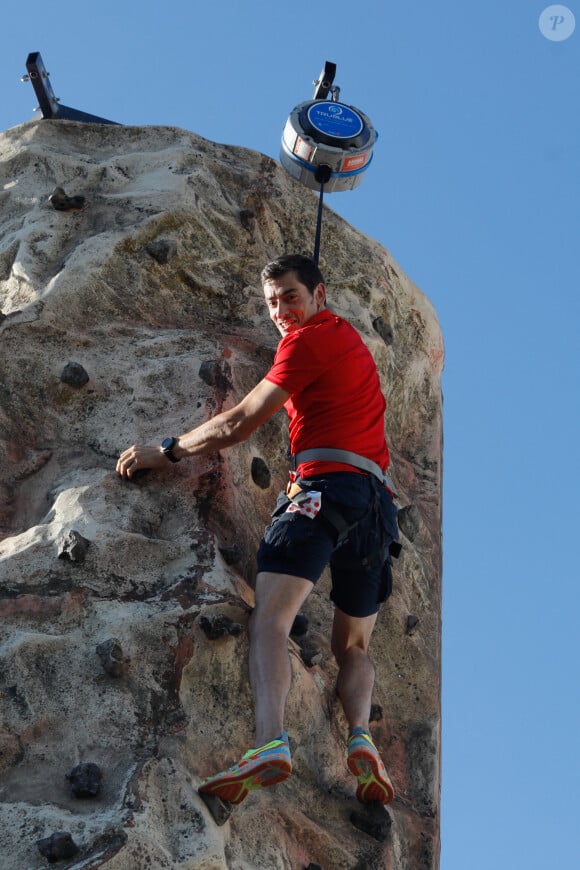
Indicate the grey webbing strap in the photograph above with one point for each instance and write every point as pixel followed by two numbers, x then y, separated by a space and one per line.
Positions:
pixel 333 454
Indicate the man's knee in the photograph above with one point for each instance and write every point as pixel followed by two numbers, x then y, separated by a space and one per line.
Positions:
pixel 353 652
pixel 264 621
pixel 351 635
pixel 278 600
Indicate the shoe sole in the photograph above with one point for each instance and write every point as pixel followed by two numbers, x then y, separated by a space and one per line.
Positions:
pixel 373 783
pixel 236 787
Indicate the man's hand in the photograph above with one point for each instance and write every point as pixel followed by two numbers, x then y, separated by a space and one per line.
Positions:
pixel 139 458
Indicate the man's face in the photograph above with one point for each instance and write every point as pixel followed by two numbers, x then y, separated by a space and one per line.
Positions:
pixel 290 303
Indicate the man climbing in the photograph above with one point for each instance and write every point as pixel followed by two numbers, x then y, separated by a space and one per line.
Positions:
pixel 337 509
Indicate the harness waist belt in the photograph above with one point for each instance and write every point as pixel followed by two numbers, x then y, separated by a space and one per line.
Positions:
pixel 347 457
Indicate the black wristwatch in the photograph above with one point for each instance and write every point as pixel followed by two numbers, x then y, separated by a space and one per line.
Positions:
pixel 167 446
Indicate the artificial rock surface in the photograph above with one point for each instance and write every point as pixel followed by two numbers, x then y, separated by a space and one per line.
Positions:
pixel 133 317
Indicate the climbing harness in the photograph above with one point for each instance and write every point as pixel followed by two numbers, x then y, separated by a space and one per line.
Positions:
pixel 296 493
pixel 300 499
pixel 326 144
pixel 347 457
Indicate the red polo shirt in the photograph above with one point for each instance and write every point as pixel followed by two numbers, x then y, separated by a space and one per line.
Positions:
pixel 335 392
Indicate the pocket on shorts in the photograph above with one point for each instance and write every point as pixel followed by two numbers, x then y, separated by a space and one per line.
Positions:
pixel 292 537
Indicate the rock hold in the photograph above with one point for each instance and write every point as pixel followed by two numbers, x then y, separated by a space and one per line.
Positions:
pixel 384 330
pixel 311 657
pixel 71 545
pixel 58 847
pixel 61 202
pixel 74 375
pixel 232 555
pixel 376 713
pixel 216 373
pixel 373 820
pixel 412 623
pixel 163 250
pixel 110 653
pixel 409 521
pixel 299 626
pixel 247 218
pixel 260 473
pixel 85 779
pixel 219 809
pixel 220 625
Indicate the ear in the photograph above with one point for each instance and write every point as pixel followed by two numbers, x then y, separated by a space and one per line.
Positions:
pixel 320 295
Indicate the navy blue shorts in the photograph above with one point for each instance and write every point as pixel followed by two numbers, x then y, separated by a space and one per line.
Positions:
pixel 360 561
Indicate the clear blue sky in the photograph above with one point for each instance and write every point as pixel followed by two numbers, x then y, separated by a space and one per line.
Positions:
pixel 474 189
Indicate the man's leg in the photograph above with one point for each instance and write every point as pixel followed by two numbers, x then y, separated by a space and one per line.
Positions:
pixel 351 636
pixel 278 600
pixel 356 676
pixel 279 597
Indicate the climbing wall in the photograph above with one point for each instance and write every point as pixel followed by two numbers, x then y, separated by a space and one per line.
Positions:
pixel 131 310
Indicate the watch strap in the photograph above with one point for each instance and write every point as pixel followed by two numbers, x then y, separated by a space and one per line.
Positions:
pixel 167 447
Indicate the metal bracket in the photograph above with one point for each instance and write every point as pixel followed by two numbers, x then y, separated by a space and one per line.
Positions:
pixel 324 81
pixel 50 105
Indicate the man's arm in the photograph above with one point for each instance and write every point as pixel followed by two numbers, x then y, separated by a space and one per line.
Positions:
pixel 223 430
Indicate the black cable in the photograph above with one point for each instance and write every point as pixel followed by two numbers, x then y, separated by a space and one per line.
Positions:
pixel 322 175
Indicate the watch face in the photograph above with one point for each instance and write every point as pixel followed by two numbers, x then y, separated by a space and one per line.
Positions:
pixel 167 443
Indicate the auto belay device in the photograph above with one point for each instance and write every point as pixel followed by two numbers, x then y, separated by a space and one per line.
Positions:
pixel 327 145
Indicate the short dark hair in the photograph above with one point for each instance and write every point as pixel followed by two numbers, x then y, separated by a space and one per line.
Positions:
pixel 305 269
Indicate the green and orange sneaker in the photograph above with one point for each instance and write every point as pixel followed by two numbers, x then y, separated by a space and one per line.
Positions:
pixel 366 764
pixel 259 768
